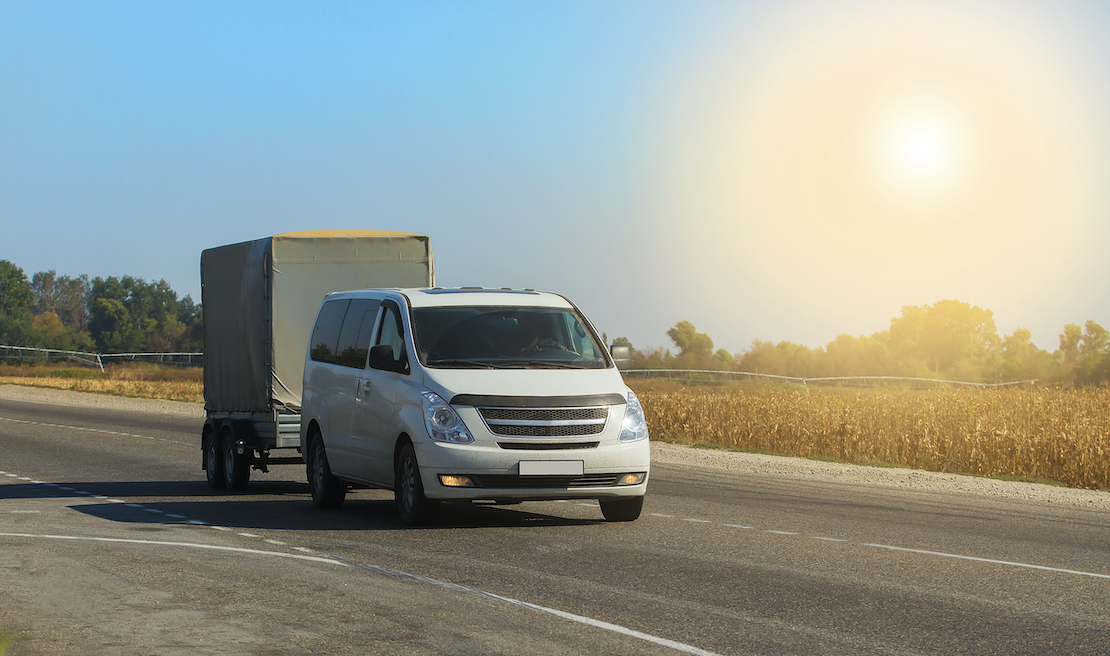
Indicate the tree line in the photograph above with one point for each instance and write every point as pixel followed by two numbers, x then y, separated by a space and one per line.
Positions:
pixel 104 315
pixel 949 340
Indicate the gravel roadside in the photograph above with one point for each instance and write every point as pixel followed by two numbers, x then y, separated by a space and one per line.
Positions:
pixel 741 463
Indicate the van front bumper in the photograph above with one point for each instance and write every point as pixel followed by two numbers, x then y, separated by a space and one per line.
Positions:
pixel 493 473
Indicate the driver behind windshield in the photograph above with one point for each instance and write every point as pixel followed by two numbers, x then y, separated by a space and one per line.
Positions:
pixel 536 334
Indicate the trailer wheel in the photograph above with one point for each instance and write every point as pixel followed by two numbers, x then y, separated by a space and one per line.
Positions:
pixel 328 491
pixel 621 510
pixel 237 466
pixel 213 463
pixel 408 491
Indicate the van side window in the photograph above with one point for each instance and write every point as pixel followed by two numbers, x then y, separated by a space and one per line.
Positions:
pixel 354 338
pixel 391 331
pixel 325 336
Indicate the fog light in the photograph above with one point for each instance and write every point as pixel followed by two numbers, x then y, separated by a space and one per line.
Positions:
pixel 451 480
pixel 632 479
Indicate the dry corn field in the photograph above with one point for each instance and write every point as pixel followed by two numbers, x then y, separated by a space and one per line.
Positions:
pixel 1056 434
pixel 150 382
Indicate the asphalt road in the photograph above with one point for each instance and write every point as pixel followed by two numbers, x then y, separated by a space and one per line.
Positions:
pixel 111 542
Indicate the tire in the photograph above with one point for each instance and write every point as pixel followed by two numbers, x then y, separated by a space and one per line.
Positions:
pixel 213 463
pixel 328 491
pixel 236 466
pixel 413 507
pixel 621 510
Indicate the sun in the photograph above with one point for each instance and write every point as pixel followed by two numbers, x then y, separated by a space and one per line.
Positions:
pixel 920 150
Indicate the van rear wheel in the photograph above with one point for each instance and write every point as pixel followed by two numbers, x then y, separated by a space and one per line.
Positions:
pixel 328 491
pixel 621 510
pixel 408 491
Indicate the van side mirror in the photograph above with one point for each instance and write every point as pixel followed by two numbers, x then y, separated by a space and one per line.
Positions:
pixel 622 354
pixel 381 357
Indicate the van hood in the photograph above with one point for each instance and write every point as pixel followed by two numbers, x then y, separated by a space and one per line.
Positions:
pixel 536 383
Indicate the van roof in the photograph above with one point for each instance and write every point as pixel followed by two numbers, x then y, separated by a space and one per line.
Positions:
pixel 473 296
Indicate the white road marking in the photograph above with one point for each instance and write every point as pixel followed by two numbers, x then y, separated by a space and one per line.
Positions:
pixel 25 512
pixel 829 539
pixel 735 526
pixel 90 430
pixel 699 521
pixel 780 532
pixel 274 541
pixel 197 522
pixel 659 515
pixel 221 528
pixel 989 560
pixel 581 619
pixel 248 535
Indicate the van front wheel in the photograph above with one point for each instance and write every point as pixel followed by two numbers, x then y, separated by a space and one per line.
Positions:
pixel 408 491
pixel 621 510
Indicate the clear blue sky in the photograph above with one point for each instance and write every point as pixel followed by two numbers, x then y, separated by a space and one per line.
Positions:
pixel 597 149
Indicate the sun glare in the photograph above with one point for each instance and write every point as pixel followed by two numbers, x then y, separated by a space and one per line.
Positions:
pixel 920 153
pixel 881 152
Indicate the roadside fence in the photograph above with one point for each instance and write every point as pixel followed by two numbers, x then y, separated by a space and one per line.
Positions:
pixel 29 354
pixel 712 375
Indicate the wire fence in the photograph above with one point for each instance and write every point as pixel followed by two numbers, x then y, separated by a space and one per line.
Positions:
pixel 902 382
pixel 30 355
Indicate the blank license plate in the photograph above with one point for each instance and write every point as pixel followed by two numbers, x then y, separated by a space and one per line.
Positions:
pixel 550 467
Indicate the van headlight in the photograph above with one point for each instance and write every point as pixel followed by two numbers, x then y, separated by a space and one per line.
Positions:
pixel 634 427
pixel 444 424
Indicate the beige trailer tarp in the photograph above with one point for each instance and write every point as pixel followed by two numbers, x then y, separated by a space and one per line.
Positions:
pixel 260 300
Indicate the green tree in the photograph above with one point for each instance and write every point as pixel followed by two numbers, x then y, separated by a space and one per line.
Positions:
pixel 15 306
pixel 130 314
pixel 1022 360
pixel 1094 352
pixel 944 337
pixel 694 349
pixel 62 295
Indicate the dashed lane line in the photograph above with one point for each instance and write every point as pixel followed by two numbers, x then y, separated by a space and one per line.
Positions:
pixel 102 431
pixel 989 560
pixel 926 552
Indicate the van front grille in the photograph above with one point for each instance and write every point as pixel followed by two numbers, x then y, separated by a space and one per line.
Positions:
pixel 545 422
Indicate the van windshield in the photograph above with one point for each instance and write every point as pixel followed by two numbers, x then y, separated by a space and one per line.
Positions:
pixel 505 337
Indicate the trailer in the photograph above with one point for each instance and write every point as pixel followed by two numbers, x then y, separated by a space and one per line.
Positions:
pixel 259 300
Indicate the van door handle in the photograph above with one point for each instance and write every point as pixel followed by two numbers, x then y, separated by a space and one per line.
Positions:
pixel 363 388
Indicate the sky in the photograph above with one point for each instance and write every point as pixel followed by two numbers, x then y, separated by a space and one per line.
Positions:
pixel 789 170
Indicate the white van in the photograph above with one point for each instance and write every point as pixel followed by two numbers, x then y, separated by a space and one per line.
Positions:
pixel 468 394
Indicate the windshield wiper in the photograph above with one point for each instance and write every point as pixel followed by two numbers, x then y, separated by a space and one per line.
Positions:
pixel 549 363
pixel 465 364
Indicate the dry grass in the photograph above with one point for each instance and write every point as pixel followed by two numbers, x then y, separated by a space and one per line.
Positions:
pixel 138 380
pixel 1029 433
